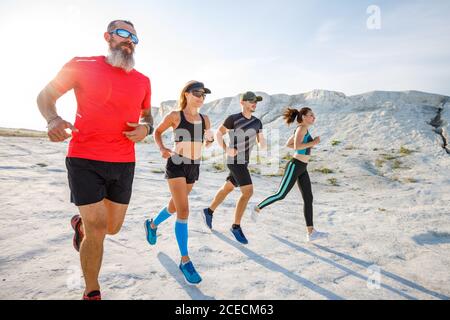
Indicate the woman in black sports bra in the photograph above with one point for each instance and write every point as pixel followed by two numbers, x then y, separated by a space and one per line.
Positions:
pixel 191 132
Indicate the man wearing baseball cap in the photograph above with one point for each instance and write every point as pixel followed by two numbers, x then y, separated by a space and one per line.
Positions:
pixel 244 130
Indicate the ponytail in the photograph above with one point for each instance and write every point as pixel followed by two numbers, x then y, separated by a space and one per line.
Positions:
pixel 290 115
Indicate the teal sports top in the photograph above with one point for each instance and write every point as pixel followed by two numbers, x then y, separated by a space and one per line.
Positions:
pixel 306 139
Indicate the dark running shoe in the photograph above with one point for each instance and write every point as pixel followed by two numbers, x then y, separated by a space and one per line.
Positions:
pixel 94 295
pixel 78 236
pixel 207 218
pixel 239 235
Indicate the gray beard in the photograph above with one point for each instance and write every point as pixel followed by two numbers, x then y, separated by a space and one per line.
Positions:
pixel 118 58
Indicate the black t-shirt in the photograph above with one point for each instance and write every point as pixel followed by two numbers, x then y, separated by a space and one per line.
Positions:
pixel 242 132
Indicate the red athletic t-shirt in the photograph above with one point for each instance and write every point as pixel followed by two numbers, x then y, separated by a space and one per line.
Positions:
pixel 107 99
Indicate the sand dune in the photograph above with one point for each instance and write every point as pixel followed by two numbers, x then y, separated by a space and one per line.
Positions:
pixel 376 223
pixel 381 189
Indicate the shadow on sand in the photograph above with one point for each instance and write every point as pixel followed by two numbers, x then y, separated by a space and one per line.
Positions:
pixel 194 292
pixel 272 266
pixel 364 264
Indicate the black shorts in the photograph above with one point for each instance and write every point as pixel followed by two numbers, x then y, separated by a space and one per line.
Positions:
pixel 92 181
pixel 181 167
pixel 239 175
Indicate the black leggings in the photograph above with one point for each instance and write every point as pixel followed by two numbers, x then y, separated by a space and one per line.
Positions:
pixel 295 172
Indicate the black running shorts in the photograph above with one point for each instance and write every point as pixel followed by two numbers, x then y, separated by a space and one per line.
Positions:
pixel 92 181
pixel 239 175
pixel 180 167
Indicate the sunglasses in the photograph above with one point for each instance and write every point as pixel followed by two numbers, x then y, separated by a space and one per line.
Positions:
pixel 198 94
pixel 126 34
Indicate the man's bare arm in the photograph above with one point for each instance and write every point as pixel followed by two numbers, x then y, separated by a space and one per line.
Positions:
pixel 147 119
pixel 232 152
pixel 261 141
pixel 219 137
pixel 46 102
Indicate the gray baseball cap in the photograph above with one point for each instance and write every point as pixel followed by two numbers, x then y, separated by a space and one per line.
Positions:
pixel 250 96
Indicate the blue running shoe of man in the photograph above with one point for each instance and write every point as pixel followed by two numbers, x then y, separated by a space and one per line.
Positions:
pixel 207 218
pixel 150 233
pixel 238 234
pixel 190 274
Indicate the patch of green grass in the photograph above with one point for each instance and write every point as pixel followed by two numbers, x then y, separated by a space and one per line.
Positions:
pixel 375 149
pixel 324 170
pixel 405 151
pixel 335 143
pixel 397 164
pixel 287 157
pixel 350 148
pixel 219 167
pixel 254 170
pixel 157 170
pixel 389 157
pixel 333 182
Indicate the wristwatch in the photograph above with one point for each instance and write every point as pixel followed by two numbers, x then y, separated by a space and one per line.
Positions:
pixel 149 127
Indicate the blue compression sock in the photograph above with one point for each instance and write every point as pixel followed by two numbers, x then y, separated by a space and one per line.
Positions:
pixel 163 215
pixel 181 232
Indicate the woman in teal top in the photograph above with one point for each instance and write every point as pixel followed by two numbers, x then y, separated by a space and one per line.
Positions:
pixel 307 138
pixel 296 169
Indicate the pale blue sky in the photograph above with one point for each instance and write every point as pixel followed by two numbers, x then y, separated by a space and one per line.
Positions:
pixel 233 46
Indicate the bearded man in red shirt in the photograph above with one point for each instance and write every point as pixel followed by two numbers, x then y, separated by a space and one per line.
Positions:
pixel 113 113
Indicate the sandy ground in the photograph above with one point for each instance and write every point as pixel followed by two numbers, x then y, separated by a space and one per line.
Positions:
pixel 388 223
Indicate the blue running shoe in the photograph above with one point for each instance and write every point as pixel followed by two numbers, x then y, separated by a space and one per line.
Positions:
pixel 207 218
pixel 150 233
pixel 190 274
pixel 239 235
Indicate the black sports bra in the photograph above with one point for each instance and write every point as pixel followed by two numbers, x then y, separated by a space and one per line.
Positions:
pixel 187 131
